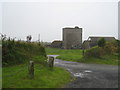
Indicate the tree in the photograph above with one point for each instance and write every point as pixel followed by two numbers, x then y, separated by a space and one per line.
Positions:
pixel 101 42
pixel 29 38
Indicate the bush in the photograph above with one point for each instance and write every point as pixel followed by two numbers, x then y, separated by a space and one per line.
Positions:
pixel 109 48
pixel 101 42
pixel 112 47
pixel 93 52
pixel 40 59
pixel 117 46
pixel 17 52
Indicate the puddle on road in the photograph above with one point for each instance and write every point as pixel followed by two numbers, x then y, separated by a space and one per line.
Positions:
pixel 63 63
pixel 56 62
pixel 83 74
pixel 87 71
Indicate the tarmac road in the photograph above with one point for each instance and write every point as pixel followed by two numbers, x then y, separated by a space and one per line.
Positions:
pixel 90 75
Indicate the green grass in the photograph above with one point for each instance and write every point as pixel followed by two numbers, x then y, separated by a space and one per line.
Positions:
pixel 17 77
pixel 108 59
pixel 17 52
pixel 68 55
pixel 15 60
pixel 76 56
pixel 0 77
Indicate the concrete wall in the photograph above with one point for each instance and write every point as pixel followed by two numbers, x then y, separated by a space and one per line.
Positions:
pixel 72 38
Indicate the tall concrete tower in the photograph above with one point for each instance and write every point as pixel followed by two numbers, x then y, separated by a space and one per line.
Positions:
pixel 72 38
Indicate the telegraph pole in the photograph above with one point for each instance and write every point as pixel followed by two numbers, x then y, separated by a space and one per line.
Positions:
pixel 39 38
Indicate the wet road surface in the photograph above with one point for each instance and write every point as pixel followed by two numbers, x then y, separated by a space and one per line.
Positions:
pixel 90 75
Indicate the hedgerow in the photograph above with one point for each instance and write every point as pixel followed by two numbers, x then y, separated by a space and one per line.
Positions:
pixel 17 52
pixel 109 48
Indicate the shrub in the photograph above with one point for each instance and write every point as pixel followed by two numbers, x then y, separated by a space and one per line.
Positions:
pixel 112 47
pixel 101 42
pixel 40 59
pixel 93 52
pixel 17 52
pixel 109 48
pixel 117 45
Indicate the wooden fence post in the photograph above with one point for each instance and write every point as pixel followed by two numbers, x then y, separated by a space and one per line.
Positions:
pixel 31 69
pixel 51 61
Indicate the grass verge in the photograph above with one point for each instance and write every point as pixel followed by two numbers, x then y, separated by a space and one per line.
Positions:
pixel 0 78
pixel 110 60
pixel 17 77
pixel 15 58
pixel 68 55
pixel 75 55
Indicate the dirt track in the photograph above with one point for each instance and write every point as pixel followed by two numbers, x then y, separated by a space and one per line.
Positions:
pixel 90 75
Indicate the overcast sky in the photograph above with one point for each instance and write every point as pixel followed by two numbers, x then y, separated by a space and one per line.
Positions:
pixel 19 19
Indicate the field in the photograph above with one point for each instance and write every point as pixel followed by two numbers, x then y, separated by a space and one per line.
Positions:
pixel 75 55
pixel 69 55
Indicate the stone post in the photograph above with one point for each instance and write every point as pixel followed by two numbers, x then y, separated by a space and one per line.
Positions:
pixel 31 69
pixel 51 61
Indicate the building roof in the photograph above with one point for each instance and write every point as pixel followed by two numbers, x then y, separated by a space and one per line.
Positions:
pixel 71 27
pixel 93 38
pixel 57 41
pixel 86 41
